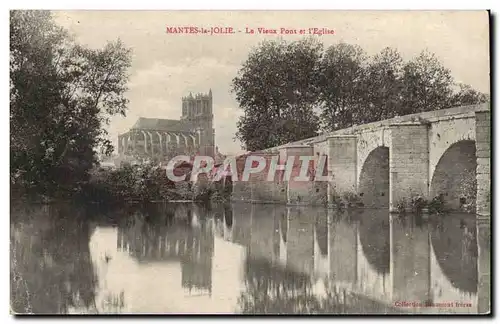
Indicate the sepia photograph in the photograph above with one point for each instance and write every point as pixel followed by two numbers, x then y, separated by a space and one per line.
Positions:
pixel 272 162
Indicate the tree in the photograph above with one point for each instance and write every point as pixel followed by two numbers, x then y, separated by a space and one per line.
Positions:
pixel 277 89
pixel 427 85
pixel 281 84
pixel 51 263
pixel 466 95
pixel 381 87
pixel 61 97
pixel 341 79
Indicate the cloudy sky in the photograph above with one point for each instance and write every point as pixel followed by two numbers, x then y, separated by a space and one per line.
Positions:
pixel 166 67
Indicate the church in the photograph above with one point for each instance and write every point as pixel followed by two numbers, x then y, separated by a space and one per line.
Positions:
pixel 159 140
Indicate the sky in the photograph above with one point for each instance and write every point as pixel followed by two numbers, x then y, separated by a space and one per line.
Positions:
pixel 167 66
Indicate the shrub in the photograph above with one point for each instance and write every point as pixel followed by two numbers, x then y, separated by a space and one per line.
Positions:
pixel 348 199
pixel 202 190
pixel 436 205
pixel 213 192
pixel 351 199
pixel 129 183
pixel 401 205
pixel 417 203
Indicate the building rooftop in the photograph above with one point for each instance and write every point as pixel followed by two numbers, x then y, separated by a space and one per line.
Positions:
pixel 160 125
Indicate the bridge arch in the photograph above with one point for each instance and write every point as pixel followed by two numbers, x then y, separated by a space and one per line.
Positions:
pixel 454 178
pixel 444 133
pixel 373 184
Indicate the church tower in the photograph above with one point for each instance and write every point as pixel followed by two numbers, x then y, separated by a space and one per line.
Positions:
pixel 197 114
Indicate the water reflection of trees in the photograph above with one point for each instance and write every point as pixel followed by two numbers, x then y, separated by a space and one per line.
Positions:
pixel 270 289
pixel 113 303
pixel 52 272
pixel 51 268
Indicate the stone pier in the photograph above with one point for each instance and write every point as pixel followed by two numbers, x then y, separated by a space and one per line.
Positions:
pixel 483 176
pixel 408 163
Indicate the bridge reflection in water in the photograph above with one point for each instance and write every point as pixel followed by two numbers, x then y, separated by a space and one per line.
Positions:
pixel 244 257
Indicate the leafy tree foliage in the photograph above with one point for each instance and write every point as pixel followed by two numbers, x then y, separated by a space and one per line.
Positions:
pixel 129 184
pixel 281 92
pixel 427 84
pixel 467 96
pixel 277 90
pixel 342 75
pixel 62 95
pixel 381 87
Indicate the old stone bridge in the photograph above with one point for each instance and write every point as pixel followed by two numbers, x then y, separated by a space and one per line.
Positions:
pixel 438 153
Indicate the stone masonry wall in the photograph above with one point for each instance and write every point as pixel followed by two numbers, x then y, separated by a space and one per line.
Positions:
pixel 408 163
pixel 300 192
pixel 483 176
pixel 342 164
pixel 415 149
pixel 320 190
pixel 242 190
pixel 263 190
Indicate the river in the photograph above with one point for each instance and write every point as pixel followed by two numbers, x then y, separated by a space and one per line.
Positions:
pixel 180 258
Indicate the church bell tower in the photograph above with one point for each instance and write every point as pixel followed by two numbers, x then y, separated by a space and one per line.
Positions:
pixel 197 113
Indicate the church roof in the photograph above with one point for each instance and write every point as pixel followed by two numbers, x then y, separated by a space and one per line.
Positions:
pixel 158 124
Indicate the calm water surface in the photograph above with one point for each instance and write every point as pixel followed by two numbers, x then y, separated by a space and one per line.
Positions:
pixel 243 258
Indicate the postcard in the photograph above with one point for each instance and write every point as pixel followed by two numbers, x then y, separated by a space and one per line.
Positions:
pixel 250 162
